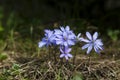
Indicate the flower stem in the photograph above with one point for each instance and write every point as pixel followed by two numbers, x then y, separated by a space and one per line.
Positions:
pixel 54 53
pixel 89 60
pixel 74 58
pixel 49 52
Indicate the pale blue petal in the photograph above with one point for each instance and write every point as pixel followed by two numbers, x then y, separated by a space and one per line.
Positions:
pixel 69 55
pixel 67 28
pixel 100 47
pixel 89 35
pixel 78 36
pixel 50 34
pixel 41 44
pixel 46 35
pixel 85 46
pixel 61 50
pixel 95 35
pixel 71 36
pixel 57 31
pixel 57 39
pixel 80 39
pixel 66 57
pixel 62 55
pixel 52 38
pixel 62 28
pixel 45 39
pixel 70 42
pixel 99 42
pixel 65 44
pixel 89 49
pixel 85 40
pixel 70 33
pixel 59 42
pixel 65 35
pixel 68 50
pixel 59 36
pixel 46 31
pixel 96 49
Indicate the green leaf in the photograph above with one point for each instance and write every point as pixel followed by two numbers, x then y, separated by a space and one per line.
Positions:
pixel 3 57
pixel 1 27
pixel 16 66
pixel 113 34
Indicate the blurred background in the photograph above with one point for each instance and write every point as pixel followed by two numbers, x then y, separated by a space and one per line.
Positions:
pixel 28 18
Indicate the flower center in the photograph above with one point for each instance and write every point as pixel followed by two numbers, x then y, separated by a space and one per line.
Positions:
pixel 92 42
pixel 65 38
pixel 46 39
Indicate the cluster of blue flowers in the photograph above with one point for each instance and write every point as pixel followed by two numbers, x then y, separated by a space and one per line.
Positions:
pixel 65 38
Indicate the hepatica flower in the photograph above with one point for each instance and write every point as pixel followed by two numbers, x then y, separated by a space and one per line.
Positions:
pixel 78 38
pixel 65 36
pixel 92 42
pixel 65 52
pixel 49 39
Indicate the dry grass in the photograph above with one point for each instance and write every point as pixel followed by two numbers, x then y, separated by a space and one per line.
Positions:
pixel 90 68
pixel 103 67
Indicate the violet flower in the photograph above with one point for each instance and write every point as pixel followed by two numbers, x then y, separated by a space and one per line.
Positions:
pixel 65 52
pixel 48 40
pixel 92 42
pixel 65 36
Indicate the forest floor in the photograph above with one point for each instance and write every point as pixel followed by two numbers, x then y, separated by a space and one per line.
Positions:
pixel 33 64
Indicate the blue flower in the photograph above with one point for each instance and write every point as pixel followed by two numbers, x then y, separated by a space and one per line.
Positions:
pixel 49 39
pixel 64 36
pixel 78 38
pixel 92 41
pixel 65 52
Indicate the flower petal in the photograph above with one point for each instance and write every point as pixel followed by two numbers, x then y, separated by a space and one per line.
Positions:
pixel 59 36
pixel 100 47
pixel 65 44
pixel 85 40
pixel 80 39
pixel 65 35
pixel 62 28
pixel 68 50
pixel 66 57
pixel 85 46
pixel 69 55
pixel 41 44
pixel 62 55
pixel 99 42
pixel 62 50
pixel 70 42
pixel 50 34
pixel 59 42
pixel 46 31
pixel 78 36
pixel 96 49
pixel 57 31
pixel 89 49
pixel 95 35
pixel 71 36
pixel 67 28
pixel 89 35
